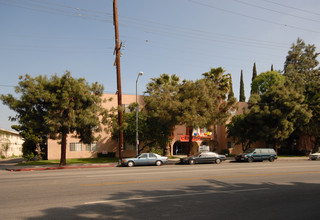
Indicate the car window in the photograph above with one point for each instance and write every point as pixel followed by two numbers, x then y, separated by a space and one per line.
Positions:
pixel 264 151
pixel 152 156
pixel 257 151
pixel 271 151
pixel 143 156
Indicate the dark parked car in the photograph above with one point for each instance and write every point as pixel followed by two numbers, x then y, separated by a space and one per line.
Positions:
pixel 204 157
pixel 145 159
pixel 257 154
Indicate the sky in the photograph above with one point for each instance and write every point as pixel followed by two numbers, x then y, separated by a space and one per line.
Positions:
pixel 182 37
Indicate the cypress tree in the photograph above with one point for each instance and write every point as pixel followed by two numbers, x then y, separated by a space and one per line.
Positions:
pixel 254 75
pixel 271 67
pixel 242 97
pixel 231 93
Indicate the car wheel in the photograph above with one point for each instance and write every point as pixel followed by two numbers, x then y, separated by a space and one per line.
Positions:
pixel 192 162
pixel 130 164
pixel 158 163
pixel 271 159
pixel 218 161
pixel 250 159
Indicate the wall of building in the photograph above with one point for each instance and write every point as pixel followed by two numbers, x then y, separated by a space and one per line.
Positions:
pixel 14 142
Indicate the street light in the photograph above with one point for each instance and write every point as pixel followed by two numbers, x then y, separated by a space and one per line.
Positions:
pixel 137 110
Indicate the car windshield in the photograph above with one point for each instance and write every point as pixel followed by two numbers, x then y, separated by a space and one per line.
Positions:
pixel 250 150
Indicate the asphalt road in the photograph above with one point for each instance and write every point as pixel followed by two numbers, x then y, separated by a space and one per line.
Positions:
pixel 260 190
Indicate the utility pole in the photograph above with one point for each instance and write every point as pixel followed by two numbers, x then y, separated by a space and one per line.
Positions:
pixel 117 62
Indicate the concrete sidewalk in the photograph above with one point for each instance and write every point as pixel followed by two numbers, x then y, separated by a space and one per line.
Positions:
pixel 10 165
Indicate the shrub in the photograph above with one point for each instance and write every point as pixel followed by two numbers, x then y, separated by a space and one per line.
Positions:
pixel 109 154
pixel 156 150
pixel 28 156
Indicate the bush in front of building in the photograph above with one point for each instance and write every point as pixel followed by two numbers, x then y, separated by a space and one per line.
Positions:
pixel 109 154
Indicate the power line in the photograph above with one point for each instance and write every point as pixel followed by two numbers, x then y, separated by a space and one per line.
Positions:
pixel 252 17
pixel 50 10
pixel 288 6
pixel 279 12
pixel 181 30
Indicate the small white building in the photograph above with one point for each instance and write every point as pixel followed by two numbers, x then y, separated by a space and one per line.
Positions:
pixel 10 143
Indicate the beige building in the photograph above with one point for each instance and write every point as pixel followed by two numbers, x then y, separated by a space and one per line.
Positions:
pixel 178 144
pixel 10 143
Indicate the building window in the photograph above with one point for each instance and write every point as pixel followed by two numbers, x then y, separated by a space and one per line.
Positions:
pixel 91 147
pixel 75 146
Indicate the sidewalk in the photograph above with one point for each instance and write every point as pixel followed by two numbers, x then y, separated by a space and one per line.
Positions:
pixel 9 165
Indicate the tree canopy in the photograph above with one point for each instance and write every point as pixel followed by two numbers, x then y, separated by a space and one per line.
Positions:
pixel 265 80
pixel 58 106
pixel 301 65
pixel 277 113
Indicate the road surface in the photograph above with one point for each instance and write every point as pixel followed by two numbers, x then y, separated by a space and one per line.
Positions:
pixel 259 190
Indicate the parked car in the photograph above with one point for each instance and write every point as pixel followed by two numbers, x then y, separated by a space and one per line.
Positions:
pixel 257 154
pixel 204 157
pixel 145 159
pixel 314 156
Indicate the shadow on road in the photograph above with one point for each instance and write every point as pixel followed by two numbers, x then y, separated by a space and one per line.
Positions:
pixel 215 200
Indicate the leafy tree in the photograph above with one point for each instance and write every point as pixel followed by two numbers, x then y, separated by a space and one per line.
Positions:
pixel 162 107
pixel 254 75
pixel 240 131
pixel 242 97
pixel 312 130
pixel 204 102
pixel 196 106
pixel 34 139
pixel 301 65
pixel 59 106
pixel 265 80
pixel 231 93
pixel 221 84
pixel 277 113
pixel 303 72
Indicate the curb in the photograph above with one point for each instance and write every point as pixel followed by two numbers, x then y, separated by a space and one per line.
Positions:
pixel 58 168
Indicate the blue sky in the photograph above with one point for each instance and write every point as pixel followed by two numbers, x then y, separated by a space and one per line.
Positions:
pixel 183 37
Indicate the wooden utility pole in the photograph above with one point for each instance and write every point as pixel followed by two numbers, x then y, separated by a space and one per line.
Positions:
pixel 117 62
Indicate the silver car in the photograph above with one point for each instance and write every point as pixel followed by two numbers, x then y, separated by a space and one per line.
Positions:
pixel 314 156
pixel 145 159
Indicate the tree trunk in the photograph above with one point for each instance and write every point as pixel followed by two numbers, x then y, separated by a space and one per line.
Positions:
pixel 276 147
pixel 63 160
pixel 38 150
pixel 190 141
pixel 167 151
pixel 215 138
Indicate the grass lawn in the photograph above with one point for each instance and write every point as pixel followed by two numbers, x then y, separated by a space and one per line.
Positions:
pixel 72 161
